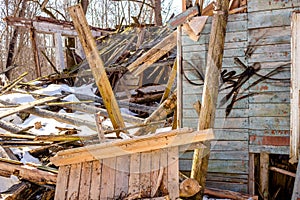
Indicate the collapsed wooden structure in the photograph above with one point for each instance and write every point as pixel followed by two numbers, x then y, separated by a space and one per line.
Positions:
pixel 252 118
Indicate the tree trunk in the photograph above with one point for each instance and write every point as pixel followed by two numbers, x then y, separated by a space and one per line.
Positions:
pixel 85 4
pixel 12 43
pixel 157 12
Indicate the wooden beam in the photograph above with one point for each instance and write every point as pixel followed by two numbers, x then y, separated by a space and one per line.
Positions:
pixel 35 53
pixel 170 82
pixel 27 172
pixel 210 90
pixel 130 146
pixel 155 53
pixel 166 108
pixel 264 175
pixel 97 66
pixel 183 17
pixel 295 88
pixel 282 171
pixel 296 191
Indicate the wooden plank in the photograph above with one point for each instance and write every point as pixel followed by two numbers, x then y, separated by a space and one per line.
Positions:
pixel 271 149
pixel 264 175
pixel 173 170
pixel 85 181
pixel 183 17
pixel 296 190
pixel 129 146
pixel 281 86
pixel 164 165
pixel 270 56
pixel 274 132
pixel 26 106
pixel 155 172
pixel 62 182
pixel 270 97
pixel 145 174
pixel 225 177
pixel 95 180
pixel 261 5
pixel 134 178
pixel 236 187
pixel 270 18
pixel 269 110
pixel 229 145
pixel 108 178
pixel 269 123
pixel 269 140
pixel 161 47
pixel 295 88
pixel 251 184
pixel 74 180
pixel 219 166
pixel 122 175
pixel 96 65
pixel 220 155
pixel 270 36
pixel 232 166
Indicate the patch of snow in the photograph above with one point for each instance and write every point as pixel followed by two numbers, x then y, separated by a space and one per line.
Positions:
pixel 71 98
pixel 53 89
pixel 6 183
pixel 85 89
pixel 17 98
pixel 27 158
pixel 127 111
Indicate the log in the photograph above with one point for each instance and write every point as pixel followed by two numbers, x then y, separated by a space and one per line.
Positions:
pixel 96 65
pixel 210 90
pixel 166 108
pixel 188 188
pixel 27 172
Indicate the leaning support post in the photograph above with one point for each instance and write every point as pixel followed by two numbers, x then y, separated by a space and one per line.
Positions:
pixel 210 89
pixel 96 65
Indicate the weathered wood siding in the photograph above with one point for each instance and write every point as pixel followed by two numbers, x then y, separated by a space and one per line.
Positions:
pixel 229 155
pixel 269 27
pixel 260 115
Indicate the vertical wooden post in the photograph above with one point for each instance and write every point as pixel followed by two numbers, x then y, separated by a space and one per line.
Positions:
pixel 251 184
pixel 97 66
pixel 295 87
pixel 210 89
pixel 264 175
pixel 179 77
pixel 35 53
pixel 296 191
pixel 59 52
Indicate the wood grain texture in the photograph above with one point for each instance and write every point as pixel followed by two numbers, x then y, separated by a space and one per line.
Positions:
pixel 74 181
pixel 95 180
pixel 85 181
pixel 62 181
